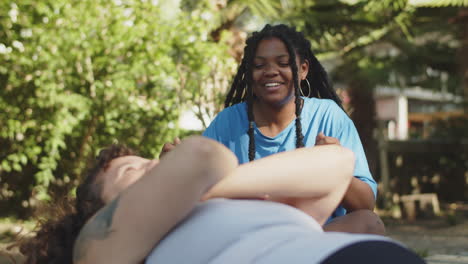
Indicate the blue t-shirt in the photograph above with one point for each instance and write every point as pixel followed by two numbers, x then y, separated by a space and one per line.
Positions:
pixel 318 115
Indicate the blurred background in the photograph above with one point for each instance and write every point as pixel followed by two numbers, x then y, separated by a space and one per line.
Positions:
pixel 76 76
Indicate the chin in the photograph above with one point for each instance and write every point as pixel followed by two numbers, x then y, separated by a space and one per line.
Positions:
pixel 277 100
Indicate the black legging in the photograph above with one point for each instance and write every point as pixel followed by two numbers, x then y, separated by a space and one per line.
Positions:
pixel 374 252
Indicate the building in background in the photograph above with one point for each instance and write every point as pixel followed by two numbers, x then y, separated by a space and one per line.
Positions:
pixel 408 112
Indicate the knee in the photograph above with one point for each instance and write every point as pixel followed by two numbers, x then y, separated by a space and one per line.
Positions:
pixel 360 222
pixel 371 222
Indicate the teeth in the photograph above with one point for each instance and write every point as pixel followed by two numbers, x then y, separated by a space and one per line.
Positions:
pixel 271 84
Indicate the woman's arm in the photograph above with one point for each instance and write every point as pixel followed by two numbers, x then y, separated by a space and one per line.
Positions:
pixel 312 179
pixel 359 194
pixel 126 229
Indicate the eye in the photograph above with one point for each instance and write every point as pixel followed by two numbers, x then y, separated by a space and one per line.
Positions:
pixel 284 64
pixel 258 66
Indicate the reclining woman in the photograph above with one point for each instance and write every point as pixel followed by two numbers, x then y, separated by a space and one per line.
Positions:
pixel 127 204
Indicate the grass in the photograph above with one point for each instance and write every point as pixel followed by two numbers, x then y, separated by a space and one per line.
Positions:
pixel 10 230
pixel 423 253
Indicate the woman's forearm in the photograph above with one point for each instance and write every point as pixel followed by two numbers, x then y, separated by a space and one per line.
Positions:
pixel 302 173
pixel 358 196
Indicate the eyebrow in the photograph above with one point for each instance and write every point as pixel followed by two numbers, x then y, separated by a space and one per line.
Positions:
pixel 278 57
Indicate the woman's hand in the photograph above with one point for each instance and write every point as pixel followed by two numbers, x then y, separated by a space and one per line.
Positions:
pixel 168 147
pixel 321 139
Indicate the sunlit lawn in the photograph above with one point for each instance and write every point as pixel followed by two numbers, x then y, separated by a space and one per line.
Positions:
pixel 11 230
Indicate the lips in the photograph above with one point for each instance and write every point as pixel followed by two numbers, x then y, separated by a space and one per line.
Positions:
pixel 272 86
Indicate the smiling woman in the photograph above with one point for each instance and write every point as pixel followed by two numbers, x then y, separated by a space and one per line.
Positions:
pixel 281 100
pixel 273 82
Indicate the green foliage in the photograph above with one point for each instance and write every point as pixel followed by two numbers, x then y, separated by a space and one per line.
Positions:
pixel 422 253
pixel 78 75
pixel 438 3
pixel 451 218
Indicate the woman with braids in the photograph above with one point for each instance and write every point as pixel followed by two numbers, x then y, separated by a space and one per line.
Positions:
pixel 281 100
pixel 127 205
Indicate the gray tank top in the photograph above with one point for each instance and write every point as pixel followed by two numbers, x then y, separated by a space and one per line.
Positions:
pixel 248 231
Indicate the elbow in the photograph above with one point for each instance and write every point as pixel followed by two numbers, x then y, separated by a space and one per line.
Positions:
pixel 359 196
pixel 212 159
pixel 358 205
pixel 364 205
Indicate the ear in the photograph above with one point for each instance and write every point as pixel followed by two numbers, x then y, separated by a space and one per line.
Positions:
pixel 304 69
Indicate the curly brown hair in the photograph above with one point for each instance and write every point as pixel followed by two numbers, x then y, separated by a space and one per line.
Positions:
pixel 54 239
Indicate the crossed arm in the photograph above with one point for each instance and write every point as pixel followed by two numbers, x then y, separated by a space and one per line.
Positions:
pixel 359 194
pixel 126 230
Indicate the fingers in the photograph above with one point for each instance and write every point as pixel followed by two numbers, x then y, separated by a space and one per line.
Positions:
pixel 321 139
pixel 320 136
pixel 167 147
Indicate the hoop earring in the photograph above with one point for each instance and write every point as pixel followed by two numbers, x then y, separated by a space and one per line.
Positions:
pixel 310 89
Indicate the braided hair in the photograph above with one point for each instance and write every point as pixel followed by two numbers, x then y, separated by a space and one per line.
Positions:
pixel 53 242
pixel 296 44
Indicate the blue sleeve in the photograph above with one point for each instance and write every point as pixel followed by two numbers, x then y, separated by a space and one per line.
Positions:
pixel 349 138
pixel 211 131
pixel 219 128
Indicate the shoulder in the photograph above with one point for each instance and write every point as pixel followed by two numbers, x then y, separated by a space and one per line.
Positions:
pixel 323 107
pixel 229 120
pixel 232 112
pixel 320 103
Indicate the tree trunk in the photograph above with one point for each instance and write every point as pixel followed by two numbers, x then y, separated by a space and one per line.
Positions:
pixel 463 20
pixel 363 114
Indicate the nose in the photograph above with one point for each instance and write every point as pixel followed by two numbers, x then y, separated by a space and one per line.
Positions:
pixel 270 70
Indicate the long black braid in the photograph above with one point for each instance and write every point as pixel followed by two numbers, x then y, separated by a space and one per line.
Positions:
pixel 296 43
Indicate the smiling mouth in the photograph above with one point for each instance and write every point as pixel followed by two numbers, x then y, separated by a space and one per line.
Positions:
pixel 275 84
pixel 272 87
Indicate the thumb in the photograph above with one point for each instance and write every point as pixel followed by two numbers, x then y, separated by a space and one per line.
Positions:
pixel 320 136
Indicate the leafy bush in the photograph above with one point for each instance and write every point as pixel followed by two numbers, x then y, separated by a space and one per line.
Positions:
pixel 79 75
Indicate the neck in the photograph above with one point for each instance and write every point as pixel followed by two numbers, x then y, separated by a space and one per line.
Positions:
pixel 272 119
